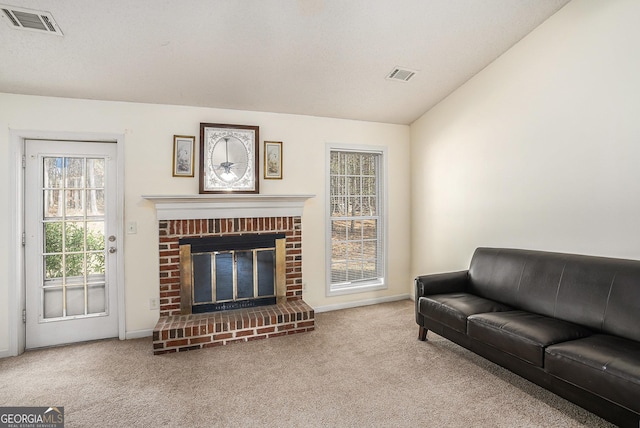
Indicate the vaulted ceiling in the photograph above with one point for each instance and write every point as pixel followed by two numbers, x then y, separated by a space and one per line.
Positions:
pixel 313 57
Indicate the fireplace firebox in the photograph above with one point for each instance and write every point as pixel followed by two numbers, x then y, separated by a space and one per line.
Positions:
pixel 231 272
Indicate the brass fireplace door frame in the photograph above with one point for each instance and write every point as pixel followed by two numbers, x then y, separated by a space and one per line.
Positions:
pixel 186 275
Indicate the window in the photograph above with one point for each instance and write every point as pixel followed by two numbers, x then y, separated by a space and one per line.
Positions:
pixel 355 251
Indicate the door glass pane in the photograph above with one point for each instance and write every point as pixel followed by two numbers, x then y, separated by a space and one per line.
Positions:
pixel 74 169
pixel 52 266
pixel 95 236
pixel 74 265
pixel 95 202
pixel 52 206
pixel 95 264
pixel 95 173
pixel 74 236
pixel 75 301
pixel 74 203
pixel 74 246
pixel 52 302
pixel 53 237
pixel 52 172
pixel 96 299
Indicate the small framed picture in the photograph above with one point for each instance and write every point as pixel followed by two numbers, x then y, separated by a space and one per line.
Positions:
pixel 273 160
pixel 183 155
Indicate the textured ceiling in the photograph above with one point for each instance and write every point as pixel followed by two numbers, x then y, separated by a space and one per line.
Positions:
pixel 313 57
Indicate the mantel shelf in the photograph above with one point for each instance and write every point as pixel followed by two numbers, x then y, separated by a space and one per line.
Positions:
pixel 212 206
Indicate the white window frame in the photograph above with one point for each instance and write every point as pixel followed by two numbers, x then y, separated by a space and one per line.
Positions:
pixel 365 285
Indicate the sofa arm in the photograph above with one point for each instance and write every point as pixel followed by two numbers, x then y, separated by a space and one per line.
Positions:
pixel 439 283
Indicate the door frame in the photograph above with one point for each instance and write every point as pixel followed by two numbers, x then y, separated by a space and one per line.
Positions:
pixel 17 289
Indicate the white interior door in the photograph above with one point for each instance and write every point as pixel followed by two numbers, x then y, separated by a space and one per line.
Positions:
pixel 70 242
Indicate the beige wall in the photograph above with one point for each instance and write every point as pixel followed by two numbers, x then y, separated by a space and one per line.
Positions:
pixel 148 131
pixel 541 150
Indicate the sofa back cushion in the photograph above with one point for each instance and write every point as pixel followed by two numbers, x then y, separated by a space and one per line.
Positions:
pixel 600 293
pixel 622 315
pixel 495 273
pixel 538 288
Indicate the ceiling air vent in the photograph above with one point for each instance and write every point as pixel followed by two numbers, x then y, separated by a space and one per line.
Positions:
pixel 401 74
pixel 30 20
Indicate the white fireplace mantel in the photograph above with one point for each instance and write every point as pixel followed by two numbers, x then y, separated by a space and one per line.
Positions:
pixel 212 206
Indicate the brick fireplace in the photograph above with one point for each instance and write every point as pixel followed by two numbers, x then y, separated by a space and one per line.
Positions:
pixel 202 216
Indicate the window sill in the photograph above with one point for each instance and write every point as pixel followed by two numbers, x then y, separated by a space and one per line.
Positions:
pixel 360 287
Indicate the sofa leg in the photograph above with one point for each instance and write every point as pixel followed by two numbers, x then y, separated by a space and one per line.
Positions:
pixel 422 333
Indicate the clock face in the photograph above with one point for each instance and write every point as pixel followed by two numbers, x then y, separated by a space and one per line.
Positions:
pixel 229 159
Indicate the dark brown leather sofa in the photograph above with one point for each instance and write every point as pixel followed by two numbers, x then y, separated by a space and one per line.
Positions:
pixel 569 323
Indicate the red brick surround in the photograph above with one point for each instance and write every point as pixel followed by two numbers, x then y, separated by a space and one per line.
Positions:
pixel 175 332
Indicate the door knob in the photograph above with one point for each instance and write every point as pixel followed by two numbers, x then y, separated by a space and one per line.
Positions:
pixel 112 250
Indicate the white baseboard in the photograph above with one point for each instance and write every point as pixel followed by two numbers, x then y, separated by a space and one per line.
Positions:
pixel 5 353
pixel 367 302
pixel 138 334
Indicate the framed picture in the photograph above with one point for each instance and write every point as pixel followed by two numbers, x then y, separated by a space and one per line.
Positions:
pixel 228 158
pixel 273 160
pixel 183 155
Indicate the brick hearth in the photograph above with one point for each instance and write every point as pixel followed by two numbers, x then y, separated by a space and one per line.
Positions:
pixel 179 333
pixel 175 332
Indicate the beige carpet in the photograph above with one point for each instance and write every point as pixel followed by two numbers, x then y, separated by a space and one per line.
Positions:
pixel 361 367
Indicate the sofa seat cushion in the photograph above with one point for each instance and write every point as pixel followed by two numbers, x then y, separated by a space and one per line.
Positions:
pixel 523 334
pixel 452 309
pixel 605 365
